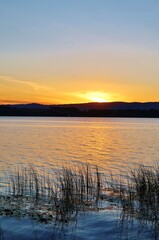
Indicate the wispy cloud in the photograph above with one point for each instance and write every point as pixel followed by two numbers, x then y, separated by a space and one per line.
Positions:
pixel 13 90
pixel 14 80
pixel 12 101
pixel 35 86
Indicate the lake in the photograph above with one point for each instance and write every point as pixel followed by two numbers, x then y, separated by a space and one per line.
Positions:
pixel 111 143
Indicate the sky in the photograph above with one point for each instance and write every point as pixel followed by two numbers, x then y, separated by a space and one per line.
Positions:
pixel 74 51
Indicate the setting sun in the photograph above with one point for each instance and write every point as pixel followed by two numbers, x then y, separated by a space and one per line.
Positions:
pixel 94 96
pixel 97 97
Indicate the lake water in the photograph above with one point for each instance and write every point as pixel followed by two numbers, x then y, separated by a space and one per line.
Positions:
pixel 111 143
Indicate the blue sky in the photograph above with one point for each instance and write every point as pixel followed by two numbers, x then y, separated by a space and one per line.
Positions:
pixel 41 24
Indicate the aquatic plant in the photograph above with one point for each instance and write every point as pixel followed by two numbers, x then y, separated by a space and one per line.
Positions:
pixel 138 195
pixel 62 194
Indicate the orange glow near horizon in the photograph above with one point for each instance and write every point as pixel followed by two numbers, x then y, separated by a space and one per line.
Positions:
pixel 16 91
pixel 97 97
pixel 88 96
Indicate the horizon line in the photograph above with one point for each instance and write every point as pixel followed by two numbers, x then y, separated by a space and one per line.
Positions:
pixel 58 104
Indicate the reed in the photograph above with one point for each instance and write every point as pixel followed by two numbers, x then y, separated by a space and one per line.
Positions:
pixel 146 186
pixel 78 189
pixel 138 195
pixel 75 187
pixel 67 191
pixel 138 192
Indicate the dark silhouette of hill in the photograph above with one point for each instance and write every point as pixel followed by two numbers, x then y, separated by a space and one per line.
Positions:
pixel 29 106
pixel 115 106
pixel 109 109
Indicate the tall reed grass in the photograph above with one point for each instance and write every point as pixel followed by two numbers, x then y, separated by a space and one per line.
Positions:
pixel 138 193
pixel 66 191
pixel 74 188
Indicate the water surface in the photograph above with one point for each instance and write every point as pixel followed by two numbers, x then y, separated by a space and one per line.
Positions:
pixel 111 143
pixel 51 142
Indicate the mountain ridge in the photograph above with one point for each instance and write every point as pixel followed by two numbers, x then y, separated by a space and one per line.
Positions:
pixel 118 105
pixel 107 109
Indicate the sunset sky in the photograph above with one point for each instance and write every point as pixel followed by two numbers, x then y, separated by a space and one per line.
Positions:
pixel 72 51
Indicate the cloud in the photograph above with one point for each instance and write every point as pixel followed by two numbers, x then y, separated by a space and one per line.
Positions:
pixel 35 86
pixel 24 91
pixel 12 101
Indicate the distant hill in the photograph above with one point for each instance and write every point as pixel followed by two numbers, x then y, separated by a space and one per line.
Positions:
pixel 94 105
pixel 107 109
pixel 28 106
pixel 115 106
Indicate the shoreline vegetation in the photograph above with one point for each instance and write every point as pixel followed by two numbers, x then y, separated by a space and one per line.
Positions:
pixel 108 109
pixel 59 196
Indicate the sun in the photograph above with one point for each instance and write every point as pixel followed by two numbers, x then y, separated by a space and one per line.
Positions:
pixel 94 96
pixel 97 97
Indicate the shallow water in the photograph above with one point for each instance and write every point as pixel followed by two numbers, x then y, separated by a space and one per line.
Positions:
pixel 91 226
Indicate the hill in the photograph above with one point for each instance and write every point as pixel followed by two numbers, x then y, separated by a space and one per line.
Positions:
pixel 107 109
